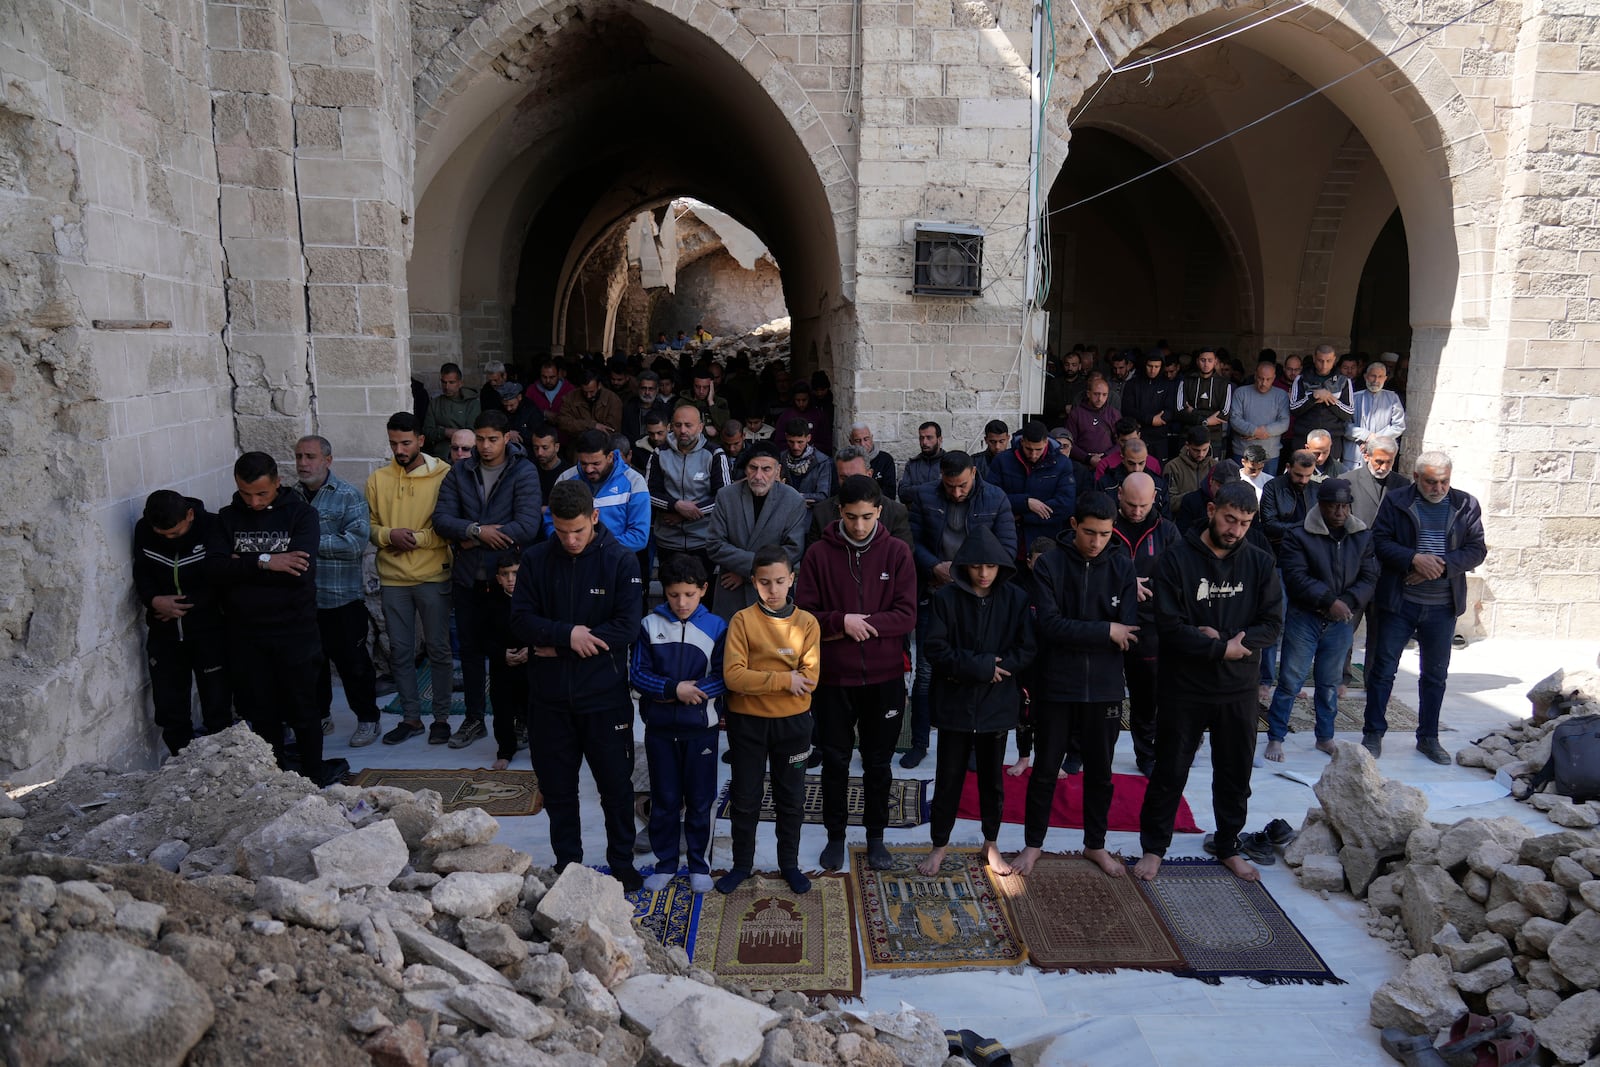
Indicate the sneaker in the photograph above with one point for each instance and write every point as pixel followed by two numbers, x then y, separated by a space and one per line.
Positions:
pixel 469 731
pixel 1373 743
pixel 327 726
pixel 1458 641
pixel 366 733
pixel 1280 833
pixel 404 731
pixel 439 733
pixel 1430 747
pixel 913 758
pixel 1258 849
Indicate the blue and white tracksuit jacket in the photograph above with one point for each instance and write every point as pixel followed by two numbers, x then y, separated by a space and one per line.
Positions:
pixel 623 501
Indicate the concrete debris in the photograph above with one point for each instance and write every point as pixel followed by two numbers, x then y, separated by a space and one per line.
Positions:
pixel 1572 1030
pixel 1364 808
pixel 368 924
pixel 1322 872
pixel 1421 999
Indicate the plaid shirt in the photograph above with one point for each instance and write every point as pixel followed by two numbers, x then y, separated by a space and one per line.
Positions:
pixel 342 510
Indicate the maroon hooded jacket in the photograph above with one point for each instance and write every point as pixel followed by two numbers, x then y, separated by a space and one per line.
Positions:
pixel 879 580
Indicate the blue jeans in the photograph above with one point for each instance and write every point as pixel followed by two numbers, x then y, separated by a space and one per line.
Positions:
pixel 1311 644
pixel 1434 626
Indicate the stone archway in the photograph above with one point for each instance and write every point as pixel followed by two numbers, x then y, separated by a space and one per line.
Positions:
pixel 538 128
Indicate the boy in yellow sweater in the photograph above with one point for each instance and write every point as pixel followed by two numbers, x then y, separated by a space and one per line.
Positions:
pixel 772 662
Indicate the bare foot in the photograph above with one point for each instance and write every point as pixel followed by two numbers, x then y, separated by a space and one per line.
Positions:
pixel 1025 860
pixel 997 863
pixel 1061 776
pixel 1265 694
pixel 1106 862
pixel 500 765
pixel 1274 751
pixel 1325 745
pixel 1145 870
pixel 1019 768
pixel 931 865
pixel 1343 689
pixel 1242 869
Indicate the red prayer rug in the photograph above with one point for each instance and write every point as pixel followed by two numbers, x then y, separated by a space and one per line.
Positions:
pixel 1067 811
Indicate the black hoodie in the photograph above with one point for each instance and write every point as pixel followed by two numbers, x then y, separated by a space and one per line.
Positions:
pixel 597 588
pixel 176 567
pixel 1078 601
pixel 966 632
pixel 1194 587
pixel 258 601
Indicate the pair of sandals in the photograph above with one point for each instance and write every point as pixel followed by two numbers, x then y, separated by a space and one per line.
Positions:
pixel 1262 846
pixel 983 1051
pixel 1475 1041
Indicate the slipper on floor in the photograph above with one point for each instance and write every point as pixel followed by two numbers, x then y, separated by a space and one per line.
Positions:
pixel 984 1051
pixel 1280 833
pixel 1413 1050
pixel 952 1038
pixel 1505 1051
pixel 1470 1031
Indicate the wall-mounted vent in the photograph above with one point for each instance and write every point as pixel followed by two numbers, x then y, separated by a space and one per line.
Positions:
pixel 949 260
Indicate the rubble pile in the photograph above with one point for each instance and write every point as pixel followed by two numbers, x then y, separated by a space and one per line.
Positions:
pixel 352 926
pixel 1517 753
pixel 1492 915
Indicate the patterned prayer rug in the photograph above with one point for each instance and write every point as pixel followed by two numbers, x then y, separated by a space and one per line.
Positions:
pixel 767 937
pixel 458 700
pixel 908 802
pixel 953 920
pixel 1351 713
pixel 1073 917
pixel 670 915
pixel 496 792
pixel 1066 809
pixel 1228 928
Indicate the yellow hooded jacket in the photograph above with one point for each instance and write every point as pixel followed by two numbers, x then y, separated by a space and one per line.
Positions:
pixel 404 500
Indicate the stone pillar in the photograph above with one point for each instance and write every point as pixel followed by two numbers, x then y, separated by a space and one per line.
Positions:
pixel 944 136
pixel 260 224
pixel 350 64
pixel 1544 560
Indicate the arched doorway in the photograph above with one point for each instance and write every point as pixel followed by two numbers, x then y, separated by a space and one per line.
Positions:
pixel 575 119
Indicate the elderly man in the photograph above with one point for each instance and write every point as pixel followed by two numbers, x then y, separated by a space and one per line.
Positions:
pixel 494 376
pixel 1427 537
pixel 1329 573
pixel 646 400
pixel 1260 415
pixel 1320 444
pixel 1370 482
pixel 1378 412
pixel 880 464
pixel 751 514
pixel 1321 399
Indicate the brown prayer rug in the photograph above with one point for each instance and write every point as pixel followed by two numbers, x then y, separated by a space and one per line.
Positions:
pixel 1073 917
pixel 496 792
pixel 767 937
pixel 908 802
pixel 953 920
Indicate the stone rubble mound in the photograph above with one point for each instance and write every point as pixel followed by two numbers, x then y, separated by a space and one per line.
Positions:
pixel 1522 749
pixel 1492 915
pixel 352 926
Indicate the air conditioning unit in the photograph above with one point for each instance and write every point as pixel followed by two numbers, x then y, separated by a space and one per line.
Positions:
pixel 949 260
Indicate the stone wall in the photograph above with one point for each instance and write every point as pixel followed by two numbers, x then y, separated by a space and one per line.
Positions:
pixel 112 374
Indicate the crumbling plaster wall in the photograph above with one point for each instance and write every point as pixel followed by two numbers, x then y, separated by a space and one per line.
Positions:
pixel 108 220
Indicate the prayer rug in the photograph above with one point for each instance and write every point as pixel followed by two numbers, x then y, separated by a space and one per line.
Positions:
pixel 1074 917
pixel 670 915
pixel 1067 808
pixel 767 937
pixel 496 792
pixel 1227 928
pixel 908 802
pixel 954 920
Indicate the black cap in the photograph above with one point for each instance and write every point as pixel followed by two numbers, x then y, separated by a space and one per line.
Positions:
pixel 1335 491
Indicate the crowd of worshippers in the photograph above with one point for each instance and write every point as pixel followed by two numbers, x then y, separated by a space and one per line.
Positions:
pixel 1104 552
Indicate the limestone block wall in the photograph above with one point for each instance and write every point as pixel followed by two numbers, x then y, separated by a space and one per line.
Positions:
pixel 944 136
pixel 112 375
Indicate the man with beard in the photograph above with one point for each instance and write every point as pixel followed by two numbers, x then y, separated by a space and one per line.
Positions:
pixel 684 479
pixel 1260 415
pixel 1141 532
pixel 1091 423
pixel 879 463
pixel 646 399
pixel 1063 388
pixel 592 407
pixel 1322 399
pixel 1151 401
pixel 756 512
pixel 1206 397
pixel 1378 413
pixel 1218 602
pixel 1427 537
pixel 923 468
